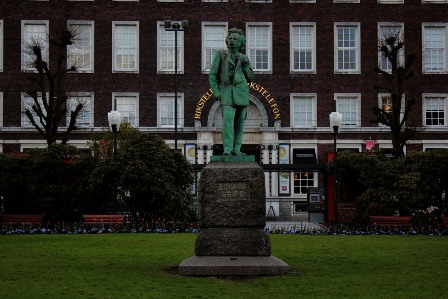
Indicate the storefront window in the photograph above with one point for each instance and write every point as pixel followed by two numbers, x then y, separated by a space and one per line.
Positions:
pixel 302 181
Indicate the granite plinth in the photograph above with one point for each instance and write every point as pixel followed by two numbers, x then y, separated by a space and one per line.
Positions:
pixel 233 266
pixel 232 208
pixel 233 242
pixel 232 195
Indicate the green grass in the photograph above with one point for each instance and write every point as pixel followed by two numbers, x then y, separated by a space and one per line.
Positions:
pixel 143 266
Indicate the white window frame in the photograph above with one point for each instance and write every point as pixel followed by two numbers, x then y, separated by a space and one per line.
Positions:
pixel 357 97
pixel 427 96
pixel 215 0
pixel 357 48
pixel 445 52
pixel 434 1
pixel 124 116
pixel 25 47
pixel 293 25
pixel 115 68
pixel 87 99
pixel 206 49
pixel 28 100
pixel 312 123
pixel 250 47
pixel 91 46
pixel 2 42
pixel 161 97
pixel 381 37
pixel 180 49
pixel 315 177
pixel 170 0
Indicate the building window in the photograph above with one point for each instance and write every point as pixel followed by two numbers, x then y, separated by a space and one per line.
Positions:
pixel 1 45
pixel 303 180
pixel 349 105
pixel 165 110
pixel 127 105
pixel 80 53
pixel 434 48
pixel 213 40
pixel 385 102
pixel 259 1
pixel 85 116
pixel 347 48
pixel 215 0
pixel 304 110
pixel 303 47
pixel 165 50
pixel 125 47
pixel 27 103
pixel 435 107
pixel 302 1
pixel 34 33
pixel 259 46
pixel 385 31
pixel 170 0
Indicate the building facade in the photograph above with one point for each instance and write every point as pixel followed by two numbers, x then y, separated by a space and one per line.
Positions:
pixel 310 58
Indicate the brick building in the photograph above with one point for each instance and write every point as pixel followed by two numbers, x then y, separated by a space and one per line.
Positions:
pixel 310 57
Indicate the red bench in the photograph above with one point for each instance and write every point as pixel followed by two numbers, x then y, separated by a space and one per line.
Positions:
pixel 20 219
pixel 397 221
pixel 106 219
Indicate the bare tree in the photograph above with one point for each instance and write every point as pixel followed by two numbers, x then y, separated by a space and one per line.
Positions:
pixel 48 106
pixel 396 72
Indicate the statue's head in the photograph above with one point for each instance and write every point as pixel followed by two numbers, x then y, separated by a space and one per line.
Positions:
pixel 241 38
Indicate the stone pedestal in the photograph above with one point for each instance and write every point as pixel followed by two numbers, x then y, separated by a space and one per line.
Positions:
pixel 232 204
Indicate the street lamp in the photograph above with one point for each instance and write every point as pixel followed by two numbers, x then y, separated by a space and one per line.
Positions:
pixel 114 118
pixel 175 26
pixel 335 123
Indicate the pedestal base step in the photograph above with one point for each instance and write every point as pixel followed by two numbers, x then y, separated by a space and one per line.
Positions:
pixel 233 266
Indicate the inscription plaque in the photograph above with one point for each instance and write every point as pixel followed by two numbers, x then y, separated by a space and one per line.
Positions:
pixel 234 190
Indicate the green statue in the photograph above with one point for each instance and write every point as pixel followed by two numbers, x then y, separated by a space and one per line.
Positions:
pixel 229 76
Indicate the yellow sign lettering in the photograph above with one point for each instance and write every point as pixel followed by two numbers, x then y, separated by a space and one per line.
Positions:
pixel 252 85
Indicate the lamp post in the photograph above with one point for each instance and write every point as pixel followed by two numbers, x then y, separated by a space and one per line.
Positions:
pixel 175 26
pixel 114 118
pixel 335 123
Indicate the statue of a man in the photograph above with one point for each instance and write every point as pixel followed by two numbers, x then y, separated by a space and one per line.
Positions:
pixel 229 76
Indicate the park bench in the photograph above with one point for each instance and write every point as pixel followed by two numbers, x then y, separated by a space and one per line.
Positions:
pixel 20 219
pixel 105 219
pixel 387 221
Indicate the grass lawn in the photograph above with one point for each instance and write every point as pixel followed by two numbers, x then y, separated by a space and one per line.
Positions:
pixel 143 266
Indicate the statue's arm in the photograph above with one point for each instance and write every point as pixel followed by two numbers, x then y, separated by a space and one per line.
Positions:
pixel 214 76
